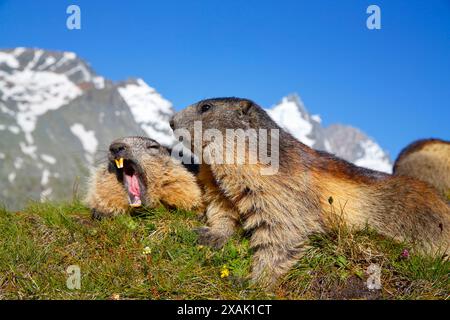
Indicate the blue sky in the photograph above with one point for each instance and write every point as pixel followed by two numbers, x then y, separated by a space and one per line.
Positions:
pixel 393 83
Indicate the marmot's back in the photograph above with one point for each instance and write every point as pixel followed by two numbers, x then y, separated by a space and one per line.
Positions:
pixel 427 160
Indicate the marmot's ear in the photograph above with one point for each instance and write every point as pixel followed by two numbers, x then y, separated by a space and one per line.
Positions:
pixel 245 107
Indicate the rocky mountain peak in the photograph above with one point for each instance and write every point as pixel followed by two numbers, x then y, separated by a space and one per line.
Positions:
pixel 345 142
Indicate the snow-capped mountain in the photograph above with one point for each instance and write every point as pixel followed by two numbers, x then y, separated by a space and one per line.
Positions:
pixel 343 141
pixel 150 110
pixel 57 118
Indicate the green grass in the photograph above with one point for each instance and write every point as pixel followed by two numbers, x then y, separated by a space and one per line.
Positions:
pixel 155 256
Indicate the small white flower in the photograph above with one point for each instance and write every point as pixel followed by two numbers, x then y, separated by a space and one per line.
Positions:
pixel 147 250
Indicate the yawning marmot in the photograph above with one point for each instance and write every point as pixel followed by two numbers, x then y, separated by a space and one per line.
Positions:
pixel 141 172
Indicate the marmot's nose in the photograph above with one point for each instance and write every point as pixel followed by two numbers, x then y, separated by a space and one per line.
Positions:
pixel 172 123
pixel 117 148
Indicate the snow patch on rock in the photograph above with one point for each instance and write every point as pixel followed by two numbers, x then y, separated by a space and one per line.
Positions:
pixel 47 158
pixel 9 59
pixel 45 177
pixel 149 109
pixel 35 93
pixel 87 139
pixel 11 177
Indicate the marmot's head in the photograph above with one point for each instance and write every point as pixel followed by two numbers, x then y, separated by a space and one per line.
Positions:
pixel 221 114
pixel 127 158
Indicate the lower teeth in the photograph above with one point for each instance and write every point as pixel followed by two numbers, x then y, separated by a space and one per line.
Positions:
pixel 136 203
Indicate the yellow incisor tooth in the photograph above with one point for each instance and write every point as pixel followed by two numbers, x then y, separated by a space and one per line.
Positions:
pixel 119 163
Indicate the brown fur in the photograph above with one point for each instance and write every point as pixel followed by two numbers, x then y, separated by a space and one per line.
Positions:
pixel 167 182
pixel 282 210
pixel 427 160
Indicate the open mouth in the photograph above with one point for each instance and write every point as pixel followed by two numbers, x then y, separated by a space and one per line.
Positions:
pixel 132 181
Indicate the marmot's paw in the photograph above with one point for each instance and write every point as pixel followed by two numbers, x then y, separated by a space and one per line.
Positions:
pixel 211 238
pixel 97 215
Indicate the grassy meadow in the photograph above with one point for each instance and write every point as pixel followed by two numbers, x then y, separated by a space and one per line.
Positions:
pixel 154 255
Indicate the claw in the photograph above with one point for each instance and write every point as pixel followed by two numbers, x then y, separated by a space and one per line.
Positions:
pixel 209 238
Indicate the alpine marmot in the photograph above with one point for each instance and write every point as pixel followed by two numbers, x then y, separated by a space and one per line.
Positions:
pixel 427 160
pixel 141 172
pixel 281 210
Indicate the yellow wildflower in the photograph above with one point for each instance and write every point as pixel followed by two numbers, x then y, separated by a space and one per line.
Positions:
pixel 225 272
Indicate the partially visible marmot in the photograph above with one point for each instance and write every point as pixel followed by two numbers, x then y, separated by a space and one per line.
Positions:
pixel 281 210
pixel 140 172
pixel 427 160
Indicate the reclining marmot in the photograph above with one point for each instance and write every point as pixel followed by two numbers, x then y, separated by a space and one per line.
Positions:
pixel 427 160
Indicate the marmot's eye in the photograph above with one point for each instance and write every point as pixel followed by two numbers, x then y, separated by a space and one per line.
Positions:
pixel 152 146
pixel 205 107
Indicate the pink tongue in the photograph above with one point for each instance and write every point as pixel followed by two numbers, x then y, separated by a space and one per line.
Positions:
pixel 133 185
